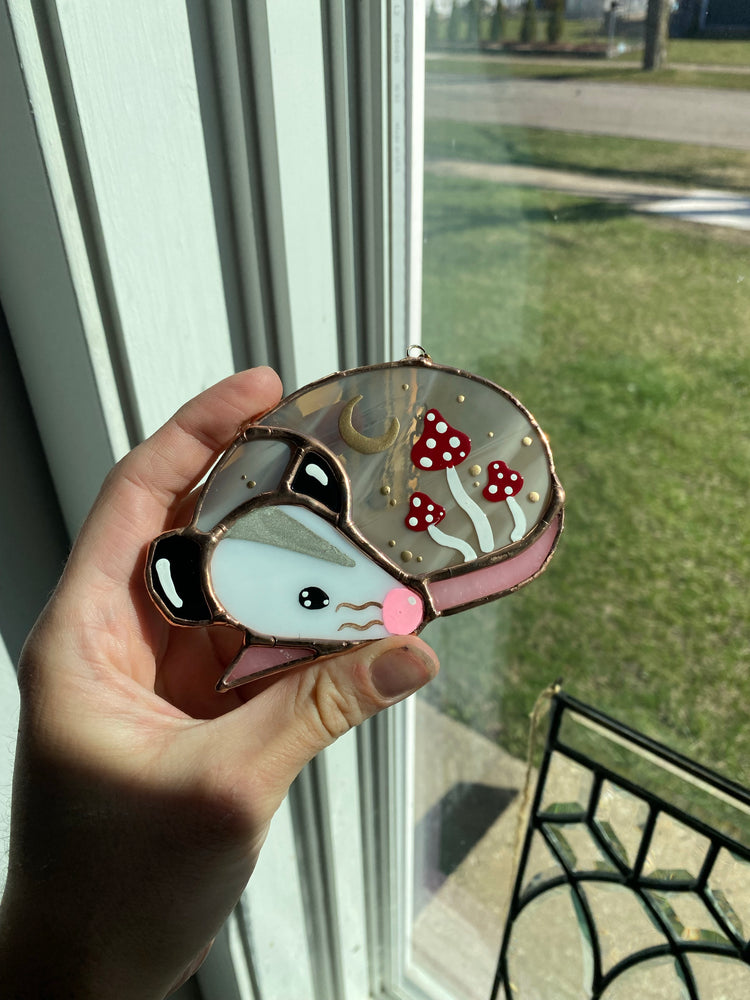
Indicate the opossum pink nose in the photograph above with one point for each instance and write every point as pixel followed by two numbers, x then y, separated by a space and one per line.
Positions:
pixel 402 611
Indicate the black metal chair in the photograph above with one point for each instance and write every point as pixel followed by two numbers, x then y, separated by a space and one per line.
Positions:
pixel 634 874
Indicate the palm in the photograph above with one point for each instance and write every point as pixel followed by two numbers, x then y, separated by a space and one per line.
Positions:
pixel 123 631
pixel 193 661
pixel 180 665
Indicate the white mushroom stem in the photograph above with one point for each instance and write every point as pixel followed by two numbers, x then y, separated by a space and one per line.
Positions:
pixel 451 542
pixel 519 519
pixel 478 517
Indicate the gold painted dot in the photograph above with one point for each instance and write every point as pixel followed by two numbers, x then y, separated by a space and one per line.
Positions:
pixel 243 476
pixel 490 434
pixel 392 542
pixel 419 559
pixel 405 386
pixel 475 470
pixel 534 497
pixel 526 442
pixel 393 502
pixel 477 483
pixel 407 556
pixel 385 490
pixel 460 399
pixel 251 483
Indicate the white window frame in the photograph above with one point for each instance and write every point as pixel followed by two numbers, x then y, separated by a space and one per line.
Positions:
pixel 157 231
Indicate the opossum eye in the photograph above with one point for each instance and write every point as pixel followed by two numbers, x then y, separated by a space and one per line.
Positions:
pixel 313 598
pixel 316 478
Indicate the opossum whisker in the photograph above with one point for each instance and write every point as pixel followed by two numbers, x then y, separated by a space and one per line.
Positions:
pixel 359 607
pixel 360 628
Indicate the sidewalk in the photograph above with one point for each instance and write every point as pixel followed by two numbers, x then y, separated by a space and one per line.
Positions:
pixel 705 206
pixel 705 116
pixel 460 913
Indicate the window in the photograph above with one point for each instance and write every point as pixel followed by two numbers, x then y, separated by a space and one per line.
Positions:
pixel 258 198
pixel 571 256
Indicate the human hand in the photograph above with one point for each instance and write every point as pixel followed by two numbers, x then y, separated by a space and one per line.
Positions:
pixel 142 796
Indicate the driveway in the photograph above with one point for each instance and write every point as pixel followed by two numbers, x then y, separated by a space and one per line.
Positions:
pixel 700 115
pixel 712 208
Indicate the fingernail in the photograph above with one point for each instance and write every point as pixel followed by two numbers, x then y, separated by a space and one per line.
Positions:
pixel 399 672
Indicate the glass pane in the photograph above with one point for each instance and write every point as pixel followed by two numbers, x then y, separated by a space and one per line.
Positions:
pixel 620 818
pixel 467 793
pixel 550 951
pixel 649 772
pixel 560 261
pixel 729 889
pixel 623 924
pixel 657 979
pixel 624 333
pixel 675 851
pixel 577 847
pixel 567 788
pixel 686 916
pixel 541 865
pixel 720 978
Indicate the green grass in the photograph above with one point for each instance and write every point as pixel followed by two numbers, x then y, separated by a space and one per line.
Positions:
pixel 627 337
pixel 631 159
pixel 710 51
pixel 593 69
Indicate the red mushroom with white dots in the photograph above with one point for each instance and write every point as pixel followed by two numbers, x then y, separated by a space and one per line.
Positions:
pixel 505 483
pixel 442 447
pixel 425 515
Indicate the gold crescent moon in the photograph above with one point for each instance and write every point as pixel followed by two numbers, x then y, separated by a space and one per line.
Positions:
pixel 360 442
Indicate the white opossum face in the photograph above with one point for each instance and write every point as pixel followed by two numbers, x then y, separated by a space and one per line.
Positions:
pixel 284 565
pixel 286 571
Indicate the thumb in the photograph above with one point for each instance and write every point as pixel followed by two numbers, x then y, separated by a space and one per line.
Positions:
pixel 307 709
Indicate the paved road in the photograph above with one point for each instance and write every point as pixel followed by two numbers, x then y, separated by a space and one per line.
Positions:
pixel 705 116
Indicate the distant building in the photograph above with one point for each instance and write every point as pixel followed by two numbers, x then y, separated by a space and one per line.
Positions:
pixel 630 10
pixel 710 17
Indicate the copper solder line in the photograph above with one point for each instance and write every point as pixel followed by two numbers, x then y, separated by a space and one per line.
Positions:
pixel 359 607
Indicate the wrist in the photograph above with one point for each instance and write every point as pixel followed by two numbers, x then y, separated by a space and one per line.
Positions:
pixel 44 952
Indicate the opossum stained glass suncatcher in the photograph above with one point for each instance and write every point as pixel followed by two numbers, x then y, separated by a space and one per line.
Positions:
pixel 364 505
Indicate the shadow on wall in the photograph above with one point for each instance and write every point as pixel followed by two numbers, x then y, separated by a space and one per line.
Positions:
pixel 33 539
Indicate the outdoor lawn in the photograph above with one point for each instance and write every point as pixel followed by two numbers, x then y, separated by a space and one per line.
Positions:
pixel 633 159
pixel 627 337
pixel 625 71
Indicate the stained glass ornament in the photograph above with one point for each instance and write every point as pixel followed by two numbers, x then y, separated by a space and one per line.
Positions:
pixel 318 527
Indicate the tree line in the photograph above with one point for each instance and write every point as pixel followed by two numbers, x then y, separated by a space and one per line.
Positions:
pixel 472 21
pixel 475 20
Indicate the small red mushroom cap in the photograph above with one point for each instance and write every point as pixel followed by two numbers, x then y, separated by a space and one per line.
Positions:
pixel 440 446
pixel 503 482
pixel 423 512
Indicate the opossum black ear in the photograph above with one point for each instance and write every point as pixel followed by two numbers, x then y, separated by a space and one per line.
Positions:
pixel 175 578
pixel 317 478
